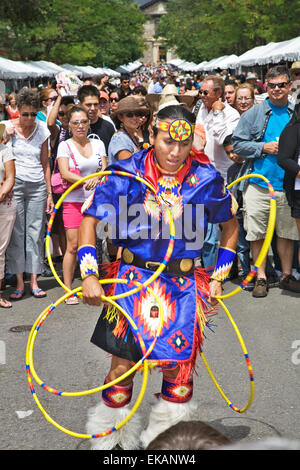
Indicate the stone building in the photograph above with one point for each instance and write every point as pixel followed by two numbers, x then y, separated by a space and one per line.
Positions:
pixel 155 52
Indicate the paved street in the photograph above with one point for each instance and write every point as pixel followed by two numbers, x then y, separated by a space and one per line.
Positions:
pixel 65 359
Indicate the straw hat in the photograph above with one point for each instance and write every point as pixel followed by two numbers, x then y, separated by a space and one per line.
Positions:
pixel 168 100
pixel 295 66
pixel 168 95
pixel 169 90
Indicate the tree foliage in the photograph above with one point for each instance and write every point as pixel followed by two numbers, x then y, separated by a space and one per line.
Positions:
pixel 204 29
pixel 94 32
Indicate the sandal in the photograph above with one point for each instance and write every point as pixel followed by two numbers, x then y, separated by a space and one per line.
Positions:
pixel 18 294
pixel 73 300
pixel 4 303
pixel 38 293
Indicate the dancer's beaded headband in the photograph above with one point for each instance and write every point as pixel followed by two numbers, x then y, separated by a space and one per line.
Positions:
pixel 179 129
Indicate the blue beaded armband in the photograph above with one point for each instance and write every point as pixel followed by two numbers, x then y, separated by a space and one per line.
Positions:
pixel 87 257
pixel 224 264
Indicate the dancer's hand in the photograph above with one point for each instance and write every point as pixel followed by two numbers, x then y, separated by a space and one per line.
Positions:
pixel 92 291
pixel 215 289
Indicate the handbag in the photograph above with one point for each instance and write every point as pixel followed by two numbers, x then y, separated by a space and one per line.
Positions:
pixel 60 185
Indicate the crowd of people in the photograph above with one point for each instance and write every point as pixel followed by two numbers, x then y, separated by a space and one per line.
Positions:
pixel 38 124
pixel 206 130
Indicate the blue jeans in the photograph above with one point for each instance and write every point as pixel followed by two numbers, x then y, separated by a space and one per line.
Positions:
pixel 243 246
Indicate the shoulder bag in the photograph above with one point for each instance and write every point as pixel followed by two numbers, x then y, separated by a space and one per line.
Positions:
pixel 60 185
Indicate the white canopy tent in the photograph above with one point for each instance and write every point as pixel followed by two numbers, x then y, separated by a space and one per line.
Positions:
pixel 129 68
pixel 13 70
pixel 49 67
pixel 285 50
pixel 38 70
pixel 187 66
pixel 200 67
pixel 73 69
pixel 26 70
pixel 110 72
pixel 84 72
pixel 87 71
pixel 176 62
pixel 252 57
pixel 224 63
pixel 214 63
pixel 273 52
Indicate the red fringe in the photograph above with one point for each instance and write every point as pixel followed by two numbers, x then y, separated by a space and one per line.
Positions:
pixel 187 368
pixel 121 327
pixel 110 271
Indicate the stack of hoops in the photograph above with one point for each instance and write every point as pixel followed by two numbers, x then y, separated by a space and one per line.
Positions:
pixel 143 362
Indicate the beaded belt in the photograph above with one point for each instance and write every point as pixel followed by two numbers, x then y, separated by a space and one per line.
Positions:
pixel 179 267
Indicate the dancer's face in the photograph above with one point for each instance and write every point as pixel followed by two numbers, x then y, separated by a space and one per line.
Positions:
pixel 169 153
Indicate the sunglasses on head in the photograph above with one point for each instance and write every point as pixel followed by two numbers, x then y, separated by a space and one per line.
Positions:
pixel 132 114
pixel 28 114
pixel 280 85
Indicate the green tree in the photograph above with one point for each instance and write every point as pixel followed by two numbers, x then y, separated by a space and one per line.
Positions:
pixel 93 32
pixel 204 29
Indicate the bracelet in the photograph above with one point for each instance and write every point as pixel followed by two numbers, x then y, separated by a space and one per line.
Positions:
pixel 87 257
pixel 49 192
pixel 224 264
pixel 218 280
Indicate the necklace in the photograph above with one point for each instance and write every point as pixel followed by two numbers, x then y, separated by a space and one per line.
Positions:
pixel 165 172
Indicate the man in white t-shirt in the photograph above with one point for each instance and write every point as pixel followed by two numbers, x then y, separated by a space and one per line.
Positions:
pixel 219 120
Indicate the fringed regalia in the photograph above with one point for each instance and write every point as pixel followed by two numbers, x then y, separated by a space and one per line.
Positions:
pixel 140 224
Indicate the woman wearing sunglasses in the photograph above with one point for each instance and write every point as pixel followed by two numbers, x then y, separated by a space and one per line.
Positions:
pixel 58 126
pixel 128 120
pixel 89 156
pixel 48 96
pixel 32 191
pixel 113 101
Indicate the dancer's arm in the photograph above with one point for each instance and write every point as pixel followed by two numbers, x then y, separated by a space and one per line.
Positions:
pixel 91 289
pixel 229 238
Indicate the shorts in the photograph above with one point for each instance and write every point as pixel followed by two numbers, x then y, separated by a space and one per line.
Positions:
pixel 72 215
pixel 256 205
